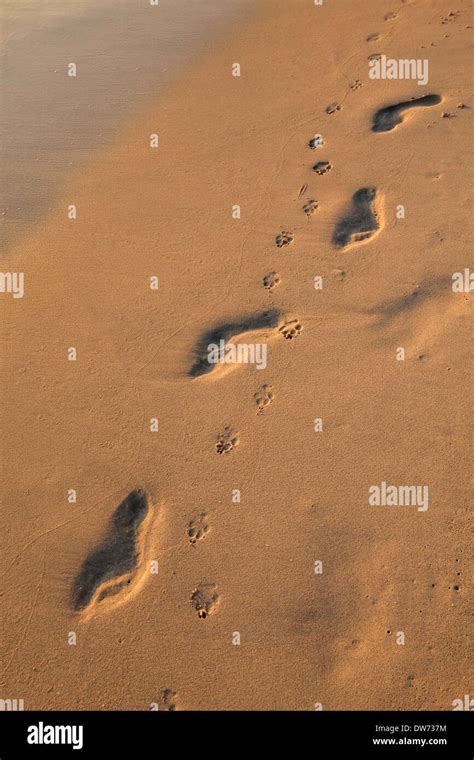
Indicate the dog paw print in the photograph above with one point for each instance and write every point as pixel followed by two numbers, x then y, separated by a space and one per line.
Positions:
pixel 450 17
pixel 339 274
pixel 390 16
pixel 196 529
pixel 271 280
pixel 167 700
pixel 283 238
pixel 333 108
pixel 315 142
pixel 322 167
pixel 227 441
pixel 310 206
pixel 205 599
pixel 355 84
pixel 291 330
pixel 263 397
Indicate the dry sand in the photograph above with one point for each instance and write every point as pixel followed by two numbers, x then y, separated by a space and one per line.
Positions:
pixel 168 638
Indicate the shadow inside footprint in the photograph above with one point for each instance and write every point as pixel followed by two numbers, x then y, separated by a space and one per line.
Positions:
pixel 361 223
pixel 117 556
pixel 386 119
pixel 225 332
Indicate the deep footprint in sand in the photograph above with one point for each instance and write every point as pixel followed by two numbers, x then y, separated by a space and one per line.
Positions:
pixel 361 223
pixel 229 331
pixel 205 599
pixel 387 118
pixel 113 568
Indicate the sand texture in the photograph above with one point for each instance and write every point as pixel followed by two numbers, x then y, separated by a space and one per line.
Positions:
pixel 196 536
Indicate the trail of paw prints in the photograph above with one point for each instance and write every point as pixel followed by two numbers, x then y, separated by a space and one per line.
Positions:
pixel 205 599
pixel 291 330
pixel 227 441
pixel 263 398
pixel 336 106
pixel 271 280
pixel 450 115
pixel 354 85
pixel 197 529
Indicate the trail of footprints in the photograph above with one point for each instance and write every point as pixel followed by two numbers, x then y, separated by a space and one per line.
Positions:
pixel 114 568
pixel 112 572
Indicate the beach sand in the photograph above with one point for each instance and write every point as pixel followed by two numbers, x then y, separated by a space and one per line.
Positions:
pixel 247 570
